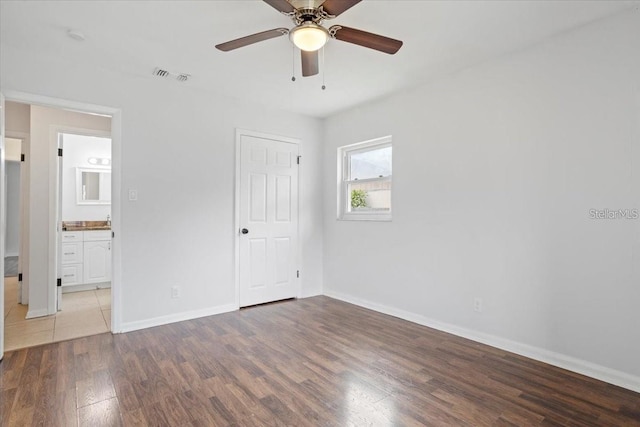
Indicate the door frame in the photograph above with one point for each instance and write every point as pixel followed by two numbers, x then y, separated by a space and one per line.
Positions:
pixel 236 232
pixel 116 200
pixel 55 134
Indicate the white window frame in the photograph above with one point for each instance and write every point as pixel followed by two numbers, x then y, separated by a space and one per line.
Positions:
pixel 344 199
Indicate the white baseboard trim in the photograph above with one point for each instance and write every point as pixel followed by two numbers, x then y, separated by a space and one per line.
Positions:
pixel 66 289
pixel 31 314
pixel 177 317
pixel 569 363
pixel 309 295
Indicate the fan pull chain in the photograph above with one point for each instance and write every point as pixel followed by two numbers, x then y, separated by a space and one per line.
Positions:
pixel 323 68
pixel 293 63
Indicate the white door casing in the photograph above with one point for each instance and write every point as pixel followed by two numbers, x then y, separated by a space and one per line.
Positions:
pixel 59 246
pixel 267 188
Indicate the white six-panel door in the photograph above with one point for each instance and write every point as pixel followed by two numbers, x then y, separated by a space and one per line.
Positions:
pixel 268 219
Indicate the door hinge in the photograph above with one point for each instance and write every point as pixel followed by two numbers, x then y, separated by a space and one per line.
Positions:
pixel 19 277
pixel 298 274
pixel 298 160
pixel 113 234
pixel 59 282
pixel 22 157
pixel 59 152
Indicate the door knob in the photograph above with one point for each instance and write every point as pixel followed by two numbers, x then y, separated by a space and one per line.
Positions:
pixel 245 231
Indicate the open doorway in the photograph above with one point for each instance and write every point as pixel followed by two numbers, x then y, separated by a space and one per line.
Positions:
pixel 84 264
pixel 12 226
pixel 86 304
pixel 13 147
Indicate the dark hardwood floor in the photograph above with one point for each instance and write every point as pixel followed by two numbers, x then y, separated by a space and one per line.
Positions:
pixel 310 362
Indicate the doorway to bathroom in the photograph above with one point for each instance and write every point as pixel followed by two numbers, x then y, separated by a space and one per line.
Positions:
pixel 84 216
pixel 53 127
pixel 84 224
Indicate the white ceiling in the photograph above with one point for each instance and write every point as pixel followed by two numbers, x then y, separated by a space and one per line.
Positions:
pixel 440 37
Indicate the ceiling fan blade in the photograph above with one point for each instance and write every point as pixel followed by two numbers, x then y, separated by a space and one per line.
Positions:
pixel 336 7
pixel 253 38
pixel 363 38
pixel 310 65
pixel 280 5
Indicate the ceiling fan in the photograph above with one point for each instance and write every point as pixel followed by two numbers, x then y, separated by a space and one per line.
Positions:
pixel 309 35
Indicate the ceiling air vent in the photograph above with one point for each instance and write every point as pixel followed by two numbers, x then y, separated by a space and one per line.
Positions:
pixel 181 77
pixel 160 72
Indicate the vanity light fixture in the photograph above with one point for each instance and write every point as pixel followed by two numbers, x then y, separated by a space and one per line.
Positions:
pixel 99 161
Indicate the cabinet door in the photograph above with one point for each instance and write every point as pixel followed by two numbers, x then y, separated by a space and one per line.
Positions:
pixel 97 261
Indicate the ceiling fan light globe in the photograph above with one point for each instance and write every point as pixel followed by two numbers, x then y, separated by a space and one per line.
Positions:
pixel 309 37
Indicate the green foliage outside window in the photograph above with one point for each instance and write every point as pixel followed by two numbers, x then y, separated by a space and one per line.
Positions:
pixel 358 199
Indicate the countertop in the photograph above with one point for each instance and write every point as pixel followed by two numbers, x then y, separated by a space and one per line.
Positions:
pixel 85 225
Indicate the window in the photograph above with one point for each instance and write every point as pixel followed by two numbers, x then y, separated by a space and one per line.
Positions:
pixel 364 182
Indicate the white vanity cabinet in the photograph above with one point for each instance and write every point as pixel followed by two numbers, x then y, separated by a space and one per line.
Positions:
pixel 97 256
pixel 85 257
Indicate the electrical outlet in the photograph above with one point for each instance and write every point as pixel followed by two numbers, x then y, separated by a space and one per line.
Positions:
pixel 175 292
pixel 133 195
pixel 477 305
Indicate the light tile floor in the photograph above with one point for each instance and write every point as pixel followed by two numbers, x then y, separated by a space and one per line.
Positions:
pixel 83 313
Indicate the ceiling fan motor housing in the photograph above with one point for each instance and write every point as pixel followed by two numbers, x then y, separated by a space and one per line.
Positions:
pixel 316 16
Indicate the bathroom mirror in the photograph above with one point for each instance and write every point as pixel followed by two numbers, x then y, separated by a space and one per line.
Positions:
pixel 93 186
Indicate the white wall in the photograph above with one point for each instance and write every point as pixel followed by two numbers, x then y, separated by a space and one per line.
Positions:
pixel 495 171
pixel 17 118
pixel 12 235
pixel 77 150
pixel 178 151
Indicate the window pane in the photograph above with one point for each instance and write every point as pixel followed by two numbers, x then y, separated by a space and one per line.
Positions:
pixel 372 196
pixel 370 164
